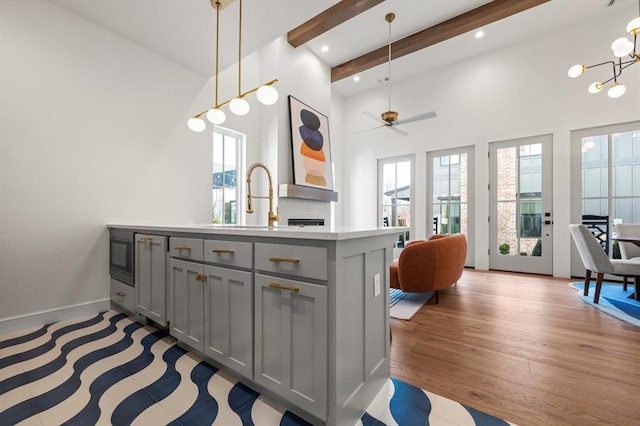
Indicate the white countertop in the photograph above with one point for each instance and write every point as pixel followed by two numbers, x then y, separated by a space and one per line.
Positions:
pixel 298 232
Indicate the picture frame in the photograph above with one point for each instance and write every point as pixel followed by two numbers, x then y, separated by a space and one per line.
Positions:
pixel 310 146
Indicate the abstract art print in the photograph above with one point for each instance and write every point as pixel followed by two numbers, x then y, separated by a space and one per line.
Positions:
pixel 311 150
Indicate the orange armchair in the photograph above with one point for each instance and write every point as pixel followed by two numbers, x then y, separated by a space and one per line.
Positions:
pixel 429 265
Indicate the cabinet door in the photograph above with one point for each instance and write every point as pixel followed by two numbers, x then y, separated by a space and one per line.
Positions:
pixel 151 277
pixel 228 318
pixel 187 305
pixel 291 341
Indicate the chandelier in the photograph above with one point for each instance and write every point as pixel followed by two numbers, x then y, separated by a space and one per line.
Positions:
pixel 266 94
pixel 622 48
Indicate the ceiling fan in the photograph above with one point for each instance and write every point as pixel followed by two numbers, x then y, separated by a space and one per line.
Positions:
pixel 390 118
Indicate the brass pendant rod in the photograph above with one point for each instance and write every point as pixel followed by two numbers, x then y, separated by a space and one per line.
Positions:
pixel 240 49
pixel 248 92
pixel 217 45
pixel 389 19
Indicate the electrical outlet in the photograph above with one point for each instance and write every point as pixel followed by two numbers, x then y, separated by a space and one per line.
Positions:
pixel 376 285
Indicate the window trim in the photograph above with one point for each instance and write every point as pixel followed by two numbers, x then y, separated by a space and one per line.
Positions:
pixel 411 158
pixel 240 167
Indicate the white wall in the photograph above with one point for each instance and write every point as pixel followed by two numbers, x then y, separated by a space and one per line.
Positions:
pixel 92 132
pixel 522 90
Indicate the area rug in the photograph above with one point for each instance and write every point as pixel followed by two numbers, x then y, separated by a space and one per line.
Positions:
pixel 111 369
pixel 404 305
pixel 613 300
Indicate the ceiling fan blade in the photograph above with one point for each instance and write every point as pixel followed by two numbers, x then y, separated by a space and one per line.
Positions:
pixel 398 130
pixel 375 117
pixel 368 130
pixel 418 117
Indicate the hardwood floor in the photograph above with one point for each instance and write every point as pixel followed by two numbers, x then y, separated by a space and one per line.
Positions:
pixel 524 348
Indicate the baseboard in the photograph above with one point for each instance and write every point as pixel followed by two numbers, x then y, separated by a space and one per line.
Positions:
pixel 38 319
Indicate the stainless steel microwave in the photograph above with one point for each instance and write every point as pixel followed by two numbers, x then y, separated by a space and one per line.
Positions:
pixel 121 256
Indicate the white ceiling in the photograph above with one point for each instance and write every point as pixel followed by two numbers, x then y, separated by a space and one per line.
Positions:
pixel 184 30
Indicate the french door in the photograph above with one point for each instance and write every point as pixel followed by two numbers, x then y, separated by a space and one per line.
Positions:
pixel 521 218
pixel 451 196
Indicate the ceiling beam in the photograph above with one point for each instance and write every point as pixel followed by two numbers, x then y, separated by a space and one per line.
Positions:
pixel 468 21
pixel 330 18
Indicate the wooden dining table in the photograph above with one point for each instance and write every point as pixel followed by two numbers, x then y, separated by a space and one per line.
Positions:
pixel 634 240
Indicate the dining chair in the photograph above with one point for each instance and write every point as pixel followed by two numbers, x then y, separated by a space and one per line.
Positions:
pixel 596 260
pixel 628 250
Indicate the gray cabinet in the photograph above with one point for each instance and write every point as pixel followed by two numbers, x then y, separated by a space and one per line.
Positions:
pixel 151 277
pixel 228 318
pixel 123 295
pixel 291 341
pixel 186 308
pixel 211 307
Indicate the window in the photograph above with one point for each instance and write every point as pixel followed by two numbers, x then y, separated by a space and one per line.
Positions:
pixel 227 167
pixel 610 176
pixel 395 176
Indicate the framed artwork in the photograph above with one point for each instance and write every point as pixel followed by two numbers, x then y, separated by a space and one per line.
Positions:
pixel 310 147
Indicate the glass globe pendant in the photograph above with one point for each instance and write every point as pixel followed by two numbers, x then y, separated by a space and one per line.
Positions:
pixel 267 95
pixel 196 124
pixel 216 116
pixel 239 106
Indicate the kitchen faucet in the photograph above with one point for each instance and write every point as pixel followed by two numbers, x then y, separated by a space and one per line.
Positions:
pixel 273 217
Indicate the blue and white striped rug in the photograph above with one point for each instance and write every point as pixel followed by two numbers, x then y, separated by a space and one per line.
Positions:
pixel 405 305
pixel 110 369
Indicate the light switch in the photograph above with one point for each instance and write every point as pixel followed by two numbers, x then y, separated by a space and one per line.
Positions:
pixel 376 285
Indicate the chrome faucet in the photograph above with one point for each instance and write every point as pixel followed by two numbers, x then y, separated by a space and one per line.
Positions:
pixel 273 217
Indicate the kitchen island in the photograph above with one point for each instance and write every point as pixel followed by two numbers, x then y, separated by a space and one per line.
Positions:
pixel 300 314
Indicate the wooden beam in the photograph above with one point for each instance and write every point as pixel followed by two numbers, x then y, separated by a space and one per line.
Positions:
pixel 468 21
pixel 330 18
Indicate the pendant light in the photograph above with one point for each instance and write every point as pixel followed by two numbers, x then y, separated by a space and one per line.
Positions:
pixel 622 48
pixel 266 94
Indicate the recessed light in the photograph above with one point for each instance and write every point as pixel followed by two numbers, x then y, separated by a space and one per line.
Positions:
pixel 479 34
pixel 356 78
pixel 324 48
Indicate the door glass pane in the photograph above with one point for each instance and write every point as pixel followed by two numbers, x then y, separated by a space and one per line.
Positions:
pixel 450 194
pixel 507 239
pixel 519 197
pixel 506 197
pixel 396 199
pixel 530 195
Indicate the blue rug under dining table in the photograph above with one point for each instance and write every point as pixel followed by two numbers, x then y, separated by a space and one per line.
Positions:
pixel 613 300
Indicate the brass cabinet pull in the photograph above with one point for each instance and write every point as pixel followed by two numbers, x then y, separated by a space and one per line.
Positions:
pixel 120 294
pixel 222 251
pixel 201 277
pixel 283 259
pixel 182 248
pixel 281 287
pixel 146 238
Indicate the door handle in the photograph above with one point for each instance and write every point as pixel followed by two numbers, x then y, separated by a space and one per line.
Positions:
pixel 282 259
pixel 281 287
